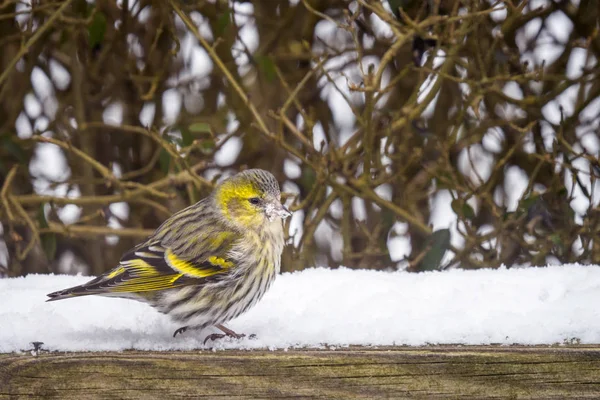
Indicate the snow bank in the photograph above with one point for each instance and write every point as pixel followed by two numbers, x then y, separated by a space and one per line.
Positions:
pixel 320 307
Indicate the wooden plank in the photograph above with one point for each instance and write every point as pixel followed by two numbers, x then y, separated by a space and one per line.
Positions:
pixel 428 372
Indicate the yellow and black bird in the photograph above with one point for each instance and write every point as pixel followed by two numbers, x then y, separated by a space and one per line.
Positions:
pixel 208 263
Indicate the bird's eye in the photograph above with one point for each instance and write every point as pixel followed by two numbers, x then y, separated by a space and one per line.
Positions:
pixel 254 200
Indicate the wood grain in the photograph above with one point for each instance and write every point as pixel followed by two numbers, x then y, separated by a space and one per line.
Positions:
pixel 429 372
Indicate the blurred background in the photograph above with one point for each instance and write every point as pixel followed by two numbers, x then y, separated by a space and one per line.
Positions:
pixel 406 134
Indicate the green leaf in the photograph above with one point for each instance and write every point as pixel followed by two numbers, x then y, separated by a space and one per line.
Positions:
pixel 555 238
pixel 48 240
pixel 41 217
pixel 438 243
pixel 13 149
pixel 562 192
pixel 530 201
pixel 97 29
pixel 397 4
pixel 508 215
pixel 468 211
pixel 223 22
pixel 49 244
pixel 308 178
pixel 463 209
pixel 388 217
pixel 267 67
pixel 207 146
pixel 164 160
pixel 200 127
pixel 186 137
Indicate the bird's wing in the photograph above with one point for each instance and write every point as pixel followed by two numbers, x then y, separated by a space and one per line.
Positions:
pixel 155 266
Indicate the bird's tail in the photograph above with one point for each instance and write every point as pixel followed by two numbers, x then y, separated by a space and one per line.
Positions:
pixel 86 289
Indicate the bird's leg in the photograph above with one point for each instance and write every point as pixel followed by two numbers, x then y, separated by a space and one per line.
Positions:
pixel 228 332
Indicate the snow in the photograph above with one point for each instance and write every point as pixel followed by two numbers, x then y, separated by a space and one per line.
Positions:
pixel 322 307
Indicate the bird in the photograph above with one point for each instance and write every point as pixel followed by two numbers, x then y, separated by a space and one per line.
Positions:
pixel 208 263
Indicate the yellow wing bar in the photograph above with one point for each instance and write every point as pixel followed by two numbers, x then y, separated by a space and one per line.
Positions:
pixel 147 284
pixel 215 266
pixel 140 277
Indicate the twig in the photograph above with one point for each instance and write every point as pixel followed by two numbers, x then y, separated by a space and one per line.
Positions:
pixel 4 192
pixel 105 172
pixel 217 60
pixel 34 231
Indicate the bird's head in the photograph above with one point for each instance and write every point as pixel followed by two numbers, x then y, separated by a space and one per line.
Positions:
pixel 250 199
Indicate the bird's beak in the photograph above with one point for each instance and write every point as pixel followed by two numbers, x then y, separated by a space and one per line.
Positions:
pixel 276 209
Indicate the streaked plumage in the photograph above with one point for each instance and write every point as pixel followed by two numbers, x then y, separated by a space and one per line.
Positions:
pixel 208 263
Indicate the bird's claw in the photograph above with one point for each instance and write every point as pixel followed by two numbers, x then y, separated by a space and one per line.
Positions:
pixel 214 336
pixel 180 331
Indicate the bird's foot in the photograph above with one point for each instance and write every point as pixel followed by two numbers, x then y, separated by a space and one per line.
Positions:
pixel 180 331
pixel 215 336
pixel 226 332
